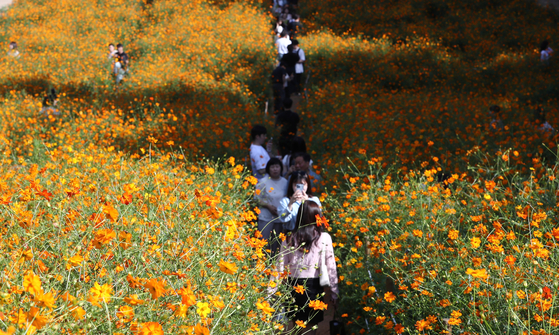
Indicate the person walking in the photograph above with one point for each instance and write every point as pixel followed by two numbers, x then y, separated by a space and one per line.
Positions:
pixel 279 80
pixel 299 67
pixel 290 59
pixel 288 121
pixel 269 192
pixel 308 255
pixel 282 44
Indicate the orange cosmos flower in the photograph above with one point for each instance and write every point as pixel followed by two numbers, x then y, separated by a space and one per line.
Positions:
pixel 156 287
pixel 98 292
pixel 318 305
pixel 150 328
pixel 423 325
pixel 201 330
pixel 264 306
pixel 133 300
pixel 299 289
pixel 32 283
pixel 229 268
pixel 45 194
pixel 389 297
pixel 9 331
pixel 321 220
pixel 481 273
pixel 125 313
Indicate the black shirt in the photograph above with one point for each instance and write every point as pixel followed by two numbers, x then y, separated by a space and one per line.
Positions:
pixel 288 121
pixel 278 74
pixel 122 58
pixel 49 99
pixel 293 28
pixel 290 59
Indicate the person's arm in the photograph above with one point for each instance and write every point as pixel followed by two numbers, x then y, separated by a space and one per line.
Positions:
pixel 261 158
pixel 262 199
pixel 286 210
pixel 301 56
pixel 331 266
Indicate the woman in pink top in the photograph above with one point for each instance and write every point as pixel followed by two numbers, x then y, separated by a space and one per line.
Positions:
pixel 300 253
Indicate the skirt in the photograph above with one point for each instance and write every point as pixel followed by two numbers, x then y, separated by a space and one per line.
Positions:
pixel 299 308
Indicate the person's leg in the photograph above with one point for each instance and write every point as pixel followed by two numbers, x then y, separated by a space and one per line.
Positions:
pixel 278 97
pixel 265 228
pixel 297 82
pixel 117 68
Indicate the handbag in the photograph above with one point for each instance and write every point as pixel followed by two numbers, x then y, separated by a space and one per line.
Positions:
pixel 324 278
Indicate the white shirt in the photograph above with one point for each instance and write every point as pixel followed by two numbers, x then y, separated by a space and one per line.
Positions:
pixel 282 44
pixel 271 192
pixel 546 127
pixel 258 159
pixel 289 217
pixel 299 66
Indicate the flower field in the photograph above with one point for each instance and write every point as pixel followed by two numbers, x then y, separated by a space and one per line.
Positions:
pixel 122 216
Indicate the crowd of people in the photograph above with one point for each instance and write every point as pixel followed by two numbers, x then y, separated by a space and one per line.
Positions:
pixel 291 217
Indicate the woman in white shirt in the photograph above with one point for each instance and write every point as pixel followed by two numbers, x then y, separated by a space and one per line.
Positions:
pixel 299 189
pixel 301 254
pixel 269 191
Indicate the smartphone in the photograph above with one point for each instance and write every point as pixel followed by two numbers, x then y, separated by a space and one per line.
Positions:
pixel 299 187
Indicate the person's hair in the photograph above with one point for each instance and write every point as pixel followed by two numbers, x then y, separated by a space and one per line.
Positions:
pixel 111 44
pixel 544 45
pixel 295 16
pixel 287 103
pixel 283 34
pixel 257 130
pixel 297 177
pixel 495 110
pixel 274 161
pixel 290 48
pixel 306 156
pixel 539 115
pixel 52 93
pixel 306 230
pixel 119 45
pixel 298 144
pixel 13 45
pixel 294 42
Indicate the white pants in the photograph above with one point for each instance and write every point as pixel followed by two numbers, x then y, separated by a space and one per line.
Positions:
pixel 119 72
